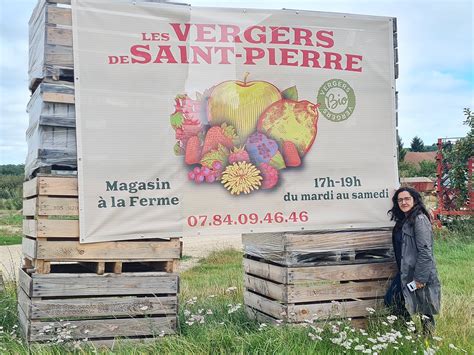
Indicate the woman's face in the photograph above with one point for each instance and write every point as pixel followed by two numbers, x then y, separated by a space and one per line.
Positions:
pixel 405 201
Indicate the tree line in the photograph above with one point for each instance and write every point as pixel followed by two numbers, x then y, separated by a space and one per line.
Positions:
pixel 11 186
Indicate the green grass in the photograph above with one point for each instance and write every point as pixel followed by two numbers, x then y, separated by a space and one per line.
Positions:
pixel 8 237
pixel 216 284
pixel 10 218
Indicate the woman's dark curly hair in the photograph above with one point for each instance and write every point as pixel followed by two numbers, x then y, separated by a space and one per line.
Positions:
pixel 397 215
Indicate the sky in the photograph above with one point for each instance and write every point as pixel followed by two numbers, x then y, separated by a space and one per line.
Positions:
pixel 435 47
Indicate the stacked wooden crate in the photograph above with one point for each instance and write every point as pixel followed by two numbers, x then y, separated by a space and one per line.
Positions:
pixel 300 277
pixel 51 133
pixel 72 291
pixel 98 291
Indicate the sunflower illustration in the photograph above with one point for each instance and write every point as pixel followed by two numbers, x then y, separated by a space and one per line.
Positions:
pixel 241 177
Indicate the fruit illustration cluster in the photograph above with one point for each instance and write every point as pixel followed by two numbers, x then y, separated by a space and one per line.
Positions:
pixel 243 134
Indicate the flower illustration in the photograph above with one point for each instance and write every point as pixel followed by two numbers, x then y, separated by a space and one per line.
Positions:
pixel 241 177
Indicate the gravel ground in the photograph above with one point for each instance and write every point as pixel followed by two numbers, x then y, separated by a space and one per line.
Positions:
pixel 194 247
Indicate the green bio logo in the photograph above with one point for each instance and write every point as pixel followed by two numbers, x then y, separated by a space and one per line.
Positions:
pixel 336 99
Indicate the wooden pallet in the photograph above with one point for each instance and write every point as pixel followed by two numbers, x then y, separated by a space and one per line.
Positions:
pixel 51 235
pixel 320 248
pixel 97 307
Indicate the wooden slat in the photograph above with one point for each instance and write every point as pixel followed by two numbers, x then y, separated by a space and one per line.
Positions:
pixel 267 288
pixel 30 188
pixel 128 250
pixel 300 313
pixel 30 227
pixel 259 316
pixel 58 16
pixel 24 323
pixel 58 97
pixel 24 282
pixel 338 241
pixel 101 307
pixel 59 36
pixel 265 305
pixel 60 285
pixel 24 302
pixel 103 328
pixel 29 207
pixel 300 293
pixel 342 272
pixel 28 247
pixel 57 186
pixel 57 206
pixel 58 228
pixel 266 271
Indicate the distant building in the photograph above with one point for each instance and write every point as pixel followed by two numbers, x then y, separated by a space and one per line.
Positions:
pixel 417 157
pixel 422 184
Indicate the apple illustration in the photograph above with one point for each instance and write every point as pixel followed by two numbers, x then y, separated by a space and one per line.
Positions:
pixel 240 104
pixel 293 121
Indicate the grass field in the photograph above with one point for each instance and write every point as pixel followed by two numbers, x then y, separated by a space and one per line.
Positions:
pixel 10 227
pixel 212 319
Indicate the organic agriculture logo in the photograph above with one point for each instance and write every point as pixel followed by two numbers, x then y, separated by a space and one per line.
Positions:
pixel 337 100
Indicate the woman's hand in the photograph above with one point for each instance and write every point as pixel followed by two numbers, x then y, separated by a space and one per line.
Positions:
pixel 419 285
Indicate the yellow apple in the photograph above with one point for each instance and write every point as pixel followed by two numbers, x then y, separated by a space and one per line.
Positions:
pixel 240 104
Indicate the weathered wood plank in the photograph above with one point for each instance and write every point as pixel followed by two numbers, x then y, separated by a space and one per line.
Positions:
pixel 58 228
pixel 58 16
pixel 29 207
pixel 57 186
pixel 59 36
pixel 70 285
pixel 300 293
pixel 342 272
pixel 58 97
pixel 259 316
pixel 267 288
pixel 24 323
pixel 129 250
pixel 29 227
pixel 300 313
pixel 338 241
pixel 265 305
pixel 101 307
pixel 28 247
pixel 24 302
pixel 57 206
pixel 103 328
pixel 30 188
pixel 266 271
pixel 24 282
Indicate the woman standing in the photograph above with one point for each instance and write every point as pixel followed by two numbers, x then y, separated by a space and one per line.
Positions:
pixel 416 288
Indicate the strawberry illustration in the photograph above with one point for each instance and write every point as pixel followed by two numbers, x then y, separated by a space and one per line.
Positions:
pixel 238 154
pixel 290 154
pixel 193 151
pixel 224 135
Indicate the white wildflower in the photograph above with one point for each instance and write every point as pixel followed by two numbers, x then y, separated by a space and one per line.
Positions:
pixel 162 334
pixel 209 312
pixel 452 346
pixel 231 289
pixel 370 310
pixel 186 313
pixel 437 338
pixel 429 351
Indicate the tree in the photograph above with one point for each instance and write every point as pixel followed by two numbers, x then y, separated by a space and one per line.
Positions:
pixel 417 144
pixel 401 151
pixel 457 156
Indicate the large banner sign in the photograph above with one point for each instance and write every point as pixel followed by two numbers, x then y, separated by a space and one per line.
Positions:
pixel 196 121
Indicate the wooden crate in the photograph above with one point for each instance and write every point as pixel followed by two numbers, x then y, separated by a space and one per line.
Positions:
pixel 50 37
pixel 51 134
pixel 51 234
pixel 298 277
pixel 97 307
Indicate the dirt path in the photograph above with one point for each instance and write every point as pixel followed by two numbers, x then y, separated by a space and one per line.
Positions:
pixel 194 247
